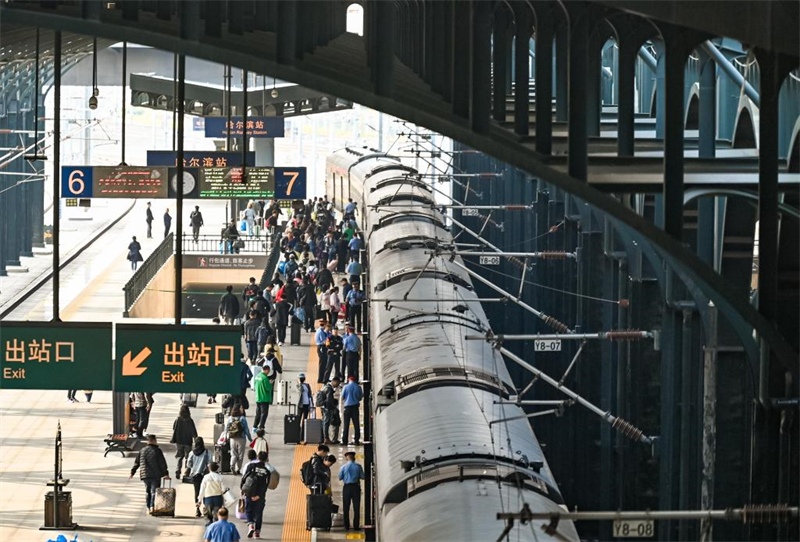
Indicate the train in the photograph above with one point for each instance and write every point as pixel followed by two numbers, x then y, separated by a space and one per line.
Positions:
pixel 451 447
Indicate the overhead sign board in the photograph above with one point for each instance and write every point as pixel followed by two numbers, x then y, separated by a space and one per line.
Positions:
pixel 220 261
pixel 160 182
pixel 200 158
pixel 290 183
pixel 62 356
pixel 257 182
pixel 256 127
pixel 172 359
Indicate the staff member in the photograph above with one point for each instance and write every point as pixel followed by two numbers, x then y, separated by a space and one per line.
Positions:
pixel 351 475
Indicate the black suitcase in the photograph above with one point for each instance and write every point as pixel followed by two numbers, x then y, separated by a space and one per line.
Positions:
pixel 318 512
pixel 295 338
pixel 222 455
pixel 189 399
pixel 291 427
pixel 219 417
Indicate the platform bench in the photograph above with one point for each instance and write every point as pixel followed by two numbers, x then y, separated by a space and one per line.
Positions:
pixel 119 443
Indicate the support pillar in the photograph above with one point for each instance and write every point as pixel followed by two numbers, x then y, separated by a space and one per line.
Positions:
pixel 707 149
pixel 562 72
pixel 544 81
pixel 481 66
pixel 37 193
pixel 626 75
pixel 673 141
pixel 499 64
pixel 522 72
pixel 462 62
pixel 578 137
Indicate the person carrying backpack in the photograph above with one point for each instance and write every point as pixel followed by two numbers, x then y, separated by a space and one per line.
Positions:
pixel 328 405
pixel 238 435
pixel 196 222
pixel 253 486
pixel 250 291
pixel 314 464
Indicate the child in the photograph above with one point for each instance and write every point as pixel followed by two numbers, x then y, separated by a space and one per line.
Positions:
pixel 259 443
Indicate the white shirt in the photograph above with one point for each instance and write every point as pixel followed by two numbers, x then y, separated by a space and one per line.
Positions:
pixel 211 486
pixel 334 302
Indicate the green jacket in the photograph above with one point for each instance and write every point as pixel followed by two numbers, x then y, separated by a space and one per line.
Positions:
pixel 264 388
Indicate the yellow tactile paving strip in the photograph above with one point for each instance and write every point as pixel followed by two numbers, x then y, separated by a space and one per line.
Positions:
pixel 294 521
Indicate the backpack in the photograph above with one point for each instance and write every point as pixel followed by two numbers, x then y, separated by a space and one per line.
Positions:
pixel 319 398
pixel 249 484
pixel 235 428
pixel 274 477
pixel 307 473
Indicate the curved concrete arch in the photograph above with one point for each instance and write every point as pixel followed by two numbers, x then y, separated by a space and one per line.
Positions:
pixel 497 142
pixel 696 193
pixel 793 159
pixel 745 131
pixel 691 119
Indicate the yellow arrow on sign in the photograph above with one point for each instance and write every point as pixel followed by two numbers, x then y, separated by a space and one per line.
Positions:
pixel 130 367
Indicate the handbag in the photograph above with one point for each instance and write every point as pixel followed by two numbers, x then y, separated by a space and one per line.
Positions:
pixel 228 498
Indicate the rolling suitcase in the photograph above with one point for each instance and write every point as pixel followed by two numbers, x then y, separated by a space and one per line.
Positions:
pixel 291 428
pixel 219 418
pixel 297 325
pixel 189 399
pixel 313 431
pixel 282 391
pixel 318 512
pixel 222 455
pixel 219 428
pixel 164 503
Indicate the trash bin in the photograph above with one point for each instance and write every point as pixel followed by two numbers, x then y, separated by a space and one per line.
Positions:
pixel 64 509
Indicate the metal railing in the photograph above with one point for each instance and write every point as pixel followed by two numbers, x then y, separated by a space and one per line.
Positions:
pixel 274 245
pixel 137 284
pixel 257 244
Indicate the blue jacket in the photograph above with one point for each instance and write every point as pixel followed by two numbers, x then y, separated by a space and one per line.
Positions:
pixel 352 394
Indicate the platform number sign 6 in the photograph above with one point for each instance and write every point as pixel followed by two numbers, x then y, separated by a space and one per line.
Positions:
pixel 290 183
pixel 76 182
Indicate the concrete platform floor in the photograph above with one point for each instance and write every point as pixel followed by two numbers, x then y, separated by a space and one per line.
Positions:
pixel 106 504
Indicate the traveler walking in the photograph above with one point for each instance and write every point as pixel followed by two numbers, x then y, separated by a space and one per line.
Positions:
pixel 183 434
pixel 149 219
pixel 335 305
pixel 355 246
pixel 135 253
pixel 152 467
pixel 142 403
pixel 351 475
pixel 229 306
pixel 251 335
pixel 196 467
pixel 253 486
pixel 351 398
pixel 354 269
pixel 71 396
pixel 167 222
pixel 352 349
pixel 264 383
pixel 250 291
pixel 308 299
pixel 249 216
pixel 305 401
pixel 238 435
pixel 196 222
pixel 281 320
pixel 210 493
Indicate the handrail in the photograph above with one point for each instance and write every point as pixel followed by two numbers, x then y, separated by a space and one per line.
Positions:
pixel 137 284
pixel 207 243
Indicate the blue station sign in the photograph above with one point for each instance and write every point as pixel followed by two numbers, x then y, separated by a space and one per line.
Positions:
pixel 256 127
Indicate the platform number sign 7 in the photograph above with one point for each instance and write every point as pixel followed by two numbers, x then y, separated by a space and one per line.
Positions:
pixel 76 182
pixel 290 183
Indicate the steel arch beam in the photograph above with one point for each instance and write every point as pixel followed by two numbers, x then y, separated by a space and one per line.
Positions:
pixel 497 142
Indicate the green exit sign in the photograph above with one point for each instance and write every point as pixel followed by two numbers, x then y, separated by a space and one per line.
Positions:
pixel 173 359
pixel 55 356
